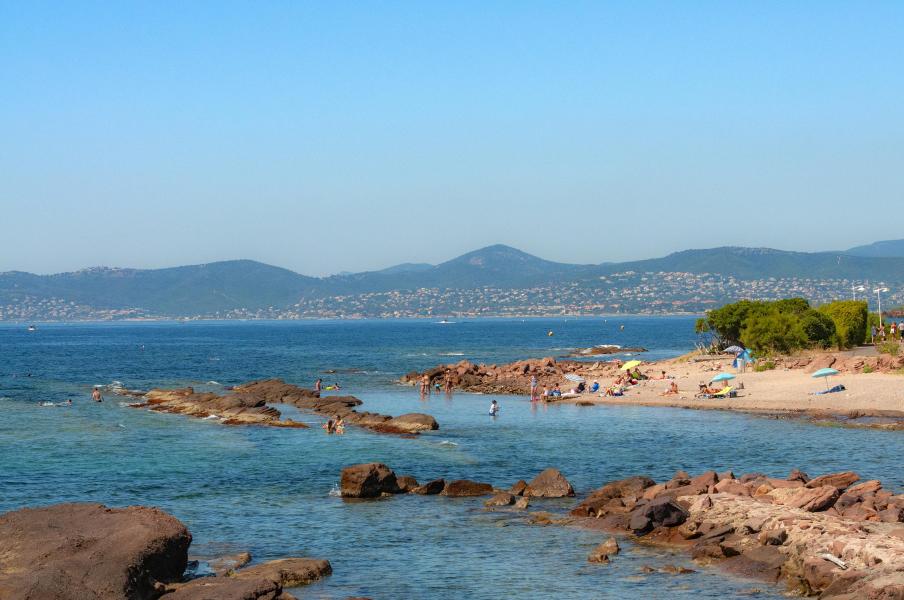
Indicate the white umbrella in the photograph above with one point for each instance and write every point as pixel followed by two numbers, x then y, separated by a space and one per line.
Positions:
pixel 574 378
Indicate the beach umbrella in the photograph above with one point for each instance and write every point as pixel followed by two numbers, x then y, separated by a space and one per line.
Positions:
pixel 825 373
pixel 630 365
pixel 733 350
pixel 723 377
pixel 574 378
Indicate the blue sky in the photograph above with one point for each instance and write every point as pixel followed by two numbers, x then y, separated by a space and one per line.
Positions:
pixel 349 136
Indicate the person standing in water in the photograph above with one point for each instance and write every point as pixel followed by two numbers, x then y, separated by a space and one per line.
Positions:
pixel 494 408
pixel 95 395
pixel 533 387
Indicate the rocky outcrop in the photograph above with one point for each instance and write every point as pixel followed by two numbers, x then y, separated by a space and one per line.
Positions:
pixel 772 529
pixel 89 551
pixel 368 480
pixel 461 488
pixel 512 378
pixel 252 404
pixel 549 484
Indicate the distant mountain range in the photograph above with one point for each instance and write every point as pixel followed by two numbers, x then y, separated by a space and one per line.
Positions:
pixel 246 288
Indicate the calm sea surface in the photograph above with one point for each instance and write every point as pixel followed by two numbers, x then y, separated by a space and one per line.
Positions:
pixel 271 491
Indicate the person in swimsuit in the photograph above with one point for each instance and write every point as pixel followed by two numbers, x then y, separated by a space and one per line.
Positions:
pixel 95 395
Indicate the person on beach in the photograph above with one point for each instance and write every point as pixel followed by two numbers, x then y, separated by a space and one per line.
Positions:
pixel 872 331
pixel 556 390
pixel 893 331
pixel 672 391
pixel 494 408
pixel 318 386
pixel 594 387
pixel 581 387
pixel 95 395
pixel 448 385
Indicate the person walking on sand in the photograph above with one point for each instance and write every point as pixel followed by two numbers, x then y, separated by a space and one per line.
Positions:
pixel 893 330
pixel 872 332
pixel 95 395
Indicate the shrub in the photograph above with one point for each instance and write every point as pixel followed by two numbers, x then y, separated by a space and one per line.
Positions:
pixel 850 318
pixel 773 332
pixel 764 366
pixel 888 348
pixel 868 369
pixel 818 327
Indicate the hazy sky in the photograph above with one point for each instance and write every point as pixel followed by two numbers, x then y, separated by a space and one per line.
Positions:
pixel 348 136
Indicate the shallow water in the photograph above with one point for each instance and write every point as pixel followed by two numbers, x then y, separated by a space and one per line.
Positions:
pixel 269 490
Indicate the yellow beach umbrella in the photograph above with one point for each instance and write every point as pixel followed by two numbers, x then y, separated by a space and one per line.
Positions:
pixel 630 365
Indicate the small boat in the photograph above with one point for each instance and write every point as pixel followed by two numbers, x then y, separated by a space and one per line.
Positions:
pixel 32 328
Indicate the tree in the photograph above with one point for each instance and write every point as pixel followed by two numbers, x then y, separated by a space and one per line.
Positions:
pixel 818 327
pixel 850 318
pixel 767 332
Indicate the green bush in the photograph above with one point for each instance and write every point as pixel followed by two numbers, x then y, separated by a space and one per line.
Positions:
pixel 868 369
pixel 764 366
pixel 818 327
pixel 888 348
pixel 850 318
pixel 774 332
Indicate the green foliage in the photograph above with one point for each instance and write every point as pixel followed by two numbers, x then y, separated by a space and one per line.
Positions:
pixel 818 327
pixel 764 366
pixel 850 318
pixel 728 320
pixel 888 348
pixel 868 369
pixel 794 306
pixel 773 332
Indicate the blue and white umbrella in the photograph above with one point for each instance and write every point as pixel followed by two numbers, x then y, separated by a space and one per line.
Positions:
pixel 723 377
pixel 733 350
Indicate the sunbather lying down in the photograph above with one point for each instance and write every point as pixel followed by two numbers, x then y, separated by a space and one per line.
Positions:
pixel 727 392
pixel 831 390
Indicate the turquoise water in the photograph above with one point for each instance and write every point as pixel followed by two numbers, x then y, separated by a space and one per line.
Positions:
pixel 269 490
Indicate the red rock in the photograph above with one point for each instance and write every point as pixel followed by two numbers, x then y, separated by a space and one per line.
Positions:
pixel 892 515
pixel 465 487
pixel 549 484
pixel 632 486
pixel 288 572
pixel 773 537
pixel 705 479
pixel 837 480
pixel 430 488
pixel 226 588
pixel 519 487
pixel 406 483
pixel 814 500
pixel 367 480
pixel 500 499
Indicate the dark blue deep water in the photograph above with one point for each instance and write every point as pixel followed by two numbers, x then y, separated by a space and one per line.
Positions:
pixel 269 490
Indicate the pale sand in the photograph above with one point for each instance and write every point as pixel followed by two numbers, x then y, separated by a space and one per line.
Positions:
pixel 773 391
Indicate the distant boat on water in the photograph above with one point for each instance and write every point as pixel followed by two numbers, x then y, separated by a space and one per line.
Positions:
pixel 32 328
pixel 445 322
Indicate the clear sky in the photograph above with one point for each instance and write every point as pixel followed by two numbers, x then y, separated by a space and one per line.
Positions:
pixel 353 135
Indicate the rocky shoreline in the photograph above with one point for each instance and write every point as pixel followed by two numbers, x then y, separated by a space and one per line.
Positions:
pixel 92 552
pixel 252 404
pixel 831 536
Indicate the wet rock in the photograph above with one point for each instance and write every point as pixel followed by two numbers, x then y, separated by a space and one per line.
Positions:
pixel 222 565
pixel 549 484
pixel 762 562
pixel 818 573
pixel 837 480
pixel 676 570
pixel 663 512
pixel 501 499
pixel 288 572
pixel 522 503
pixel 414 423
pixel 629 487
pixel 430 488
pixel 519 487
pixel 603 552
pixel 367 480
pixel 465 487
pixel 80 551
pixel 798 475
pixel 226 588
pixel 406 483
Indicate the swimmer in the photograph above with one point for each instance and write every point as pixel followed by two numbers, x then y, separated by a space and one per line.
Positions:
pixel 95 395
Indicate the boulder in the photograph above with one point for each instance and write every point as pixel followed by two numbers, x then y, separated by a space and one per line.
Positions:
pixel 89 551
pixel 222 565
pixel 549 484
pixel 226 588
pixel 406 483
pixel 430 488
pixel 519 487
pixel 501 499
pixel 604 551
pixel 522 503
pixel 837 480
pixel 465 487
pixel 414 423
pixel 773 537
pixel 814 500
pixel 760 562
pixel 629 487
pixel 660 512
pixel 367 480
pixel 288 572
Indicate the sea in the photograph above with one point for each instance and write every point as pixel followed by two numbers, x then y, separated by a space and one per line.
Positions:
pixel 274 491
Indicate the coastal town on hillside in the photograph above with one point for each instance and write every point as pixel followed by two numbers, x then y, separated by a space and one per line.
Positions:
pixel 619 293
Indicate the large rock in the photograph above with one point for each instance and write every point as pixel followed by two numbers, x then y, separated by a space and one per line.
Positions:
pixel 414 423
pixel 430 488
pixel 661 512
pixel 549 484
pixel 367 480
pixel 814 500
pixel 466 487
pixel 227 588
pixel 632 487
pixel 89 552
pixel 837 480
pixel 288 572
